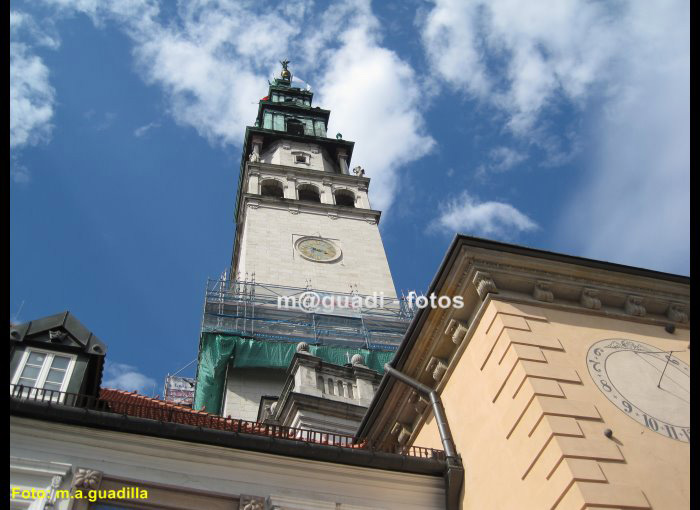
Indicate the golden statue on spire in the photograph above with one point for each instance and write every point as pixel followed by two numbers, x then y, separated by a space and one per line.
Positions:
pixel 286 74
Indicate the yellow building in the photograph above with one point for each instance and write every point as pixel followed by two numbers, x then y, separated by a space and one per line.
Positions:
pixel 565 381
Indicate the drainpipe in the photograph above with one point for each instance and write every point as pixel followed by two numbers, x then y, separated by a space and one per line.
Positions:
pixel 454 474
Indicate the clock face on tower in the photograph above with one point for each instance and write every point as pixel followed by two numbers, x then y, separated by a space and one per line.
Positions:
pixel 649 385
pixel 317 249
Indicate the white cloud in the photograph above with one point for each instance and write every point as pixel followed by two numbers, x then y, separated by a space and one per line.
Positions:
pixel 24 24
pixel 635 206
pixel 625 66
pixel 19 173
pixel 502 159
pixel 213 59
pixel 142 130
pixel 521 57
pixel 467 215
pixel 375 101
pixel 127 377
pixel 31 95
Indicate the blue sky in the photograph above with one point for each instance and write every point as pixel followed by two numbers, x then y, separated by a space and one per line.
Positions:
pixel 559 125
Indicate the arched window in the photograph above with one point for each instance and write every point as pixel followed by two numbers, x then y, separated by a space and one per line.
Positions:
pixel 331 389
pixel 340 389
pixel 350 395
pixel 345 197
pixel 309 193
pixel 271 188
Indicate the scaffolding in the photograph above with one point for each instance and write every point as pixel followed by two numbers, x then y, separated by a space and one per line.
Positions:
pixel 288 314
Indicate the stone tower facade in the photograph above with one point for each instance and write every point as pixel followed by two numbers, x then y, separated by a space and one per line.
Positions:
pixel 304 225
pixel 303 217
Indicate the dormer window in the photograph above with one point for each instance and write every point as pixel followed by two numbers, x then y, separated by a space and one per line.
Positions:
pixel 46 371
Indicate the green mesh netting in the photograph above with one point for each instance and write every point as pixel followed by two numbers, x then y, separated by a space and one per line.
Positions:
pixel 217 349
pixel 214 352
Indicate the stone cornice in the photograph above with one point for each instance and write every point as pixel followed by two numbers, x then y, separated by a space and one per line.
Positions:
pixel 295 402
pixel 304 173
pixel 636 298
pixel 92 440
pixel 292 206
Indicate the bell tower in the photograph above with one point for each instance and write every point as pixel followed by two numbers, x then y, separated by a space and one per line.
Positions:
pixel 304 228
pixel 303 218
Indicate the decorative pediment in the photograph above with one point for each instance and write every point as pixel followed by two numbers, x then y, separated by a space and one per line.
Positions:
pixel 60 331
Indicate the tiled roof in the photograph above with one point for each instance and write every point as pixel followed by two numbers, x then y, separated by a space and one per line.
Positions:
pixel 119 402
pixel 134 404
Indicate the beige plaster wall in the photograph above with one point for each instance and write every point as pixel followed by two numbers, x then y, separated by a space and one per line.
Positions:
pixel 528 419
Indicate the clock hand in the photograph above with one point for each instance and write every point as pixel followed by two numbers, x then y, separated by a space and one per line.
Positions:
pixel 668 359
pixel 654 354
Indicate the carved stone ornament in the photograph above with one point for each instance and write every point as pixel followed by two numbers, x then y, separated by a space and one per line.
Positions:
pixel 359 171
pixel 543 291
pixel 303 347
pixel 634 306
pixel 86 479
pixel 396 429
pixel 438 367
pixel 589 299
pixel 254 157
pixel 56 335
pixel 456 330
pixel 677 313
pixel 418 402
pixel 251 502
pixel 357 360
pixel 56 481
pixel 484 284
pixel 404 435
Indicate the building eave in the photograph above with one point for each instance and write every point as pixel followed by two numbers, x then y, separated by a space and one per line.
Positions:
pixel 238 440
pixel 519 274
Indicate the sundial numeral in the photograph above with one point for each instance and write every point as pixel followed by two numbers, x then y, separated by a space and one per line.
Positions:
pixel 634 376
pixel 671 431
pixel 651 423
